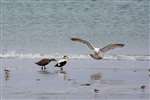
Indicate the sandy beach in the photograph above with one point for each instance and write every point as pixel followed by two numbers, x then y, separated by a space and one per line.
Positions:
pixel 114 80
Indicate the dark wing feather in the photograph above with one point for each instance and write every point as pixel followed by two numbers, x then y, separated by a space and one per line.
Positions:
pixel 111 46
pixel 45 61
pixel 83 41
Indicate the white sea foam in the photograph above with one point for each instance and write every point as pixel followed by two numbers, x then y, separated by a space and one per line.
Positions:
pixel 72 56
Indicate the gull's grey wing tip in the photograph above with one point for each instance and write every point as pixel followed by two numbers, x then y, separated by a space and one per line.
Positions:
pixel 121 45
pixel 75 39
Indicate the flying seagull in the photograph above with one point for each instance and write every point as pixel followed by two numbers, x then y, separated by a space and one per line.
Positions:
pixel 98 52
pixel 43 62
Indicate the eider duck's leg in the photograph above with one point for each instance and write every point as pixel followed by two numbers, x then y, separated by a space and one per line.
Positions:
pixel 44 68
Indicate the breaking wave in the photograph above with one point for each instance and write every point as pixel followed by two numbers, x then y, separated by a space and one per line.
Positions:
pixel 73 56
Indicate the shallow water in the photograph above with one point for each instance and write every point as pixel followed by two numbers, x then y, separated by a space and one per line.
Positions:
pixel 46 26
pixel 118 80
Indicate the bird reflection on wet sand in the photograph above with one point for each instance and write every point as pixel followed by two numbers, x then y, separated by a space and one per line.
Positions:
pixel 96 76
pixel 64 74
pixel 56 72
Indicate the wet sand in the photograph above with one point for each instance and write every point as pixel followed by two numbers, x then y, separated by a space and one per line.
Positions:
pixel 113 80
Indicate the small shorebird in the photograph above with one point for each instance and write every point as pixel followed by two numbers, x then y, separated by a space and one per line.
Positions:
pixel 43 62
pixel 98 52
pixel 62 62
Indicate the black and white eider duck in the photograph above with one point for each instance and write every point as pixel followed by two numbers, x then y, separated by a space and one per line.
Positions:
pixel 43 62
pixel 62 62
pixel 98 52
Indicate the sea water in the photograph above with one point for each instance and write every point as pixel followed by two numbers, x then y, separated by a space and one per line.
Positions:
pixel 46 26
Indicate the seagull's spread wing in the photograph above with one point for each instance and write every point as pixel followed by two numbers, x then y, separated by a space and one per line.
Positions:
pixel 83 41
pixel 111 46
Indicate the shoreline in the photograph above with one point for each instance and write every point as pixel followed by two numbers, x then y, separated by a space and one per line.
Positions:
pixel 113 79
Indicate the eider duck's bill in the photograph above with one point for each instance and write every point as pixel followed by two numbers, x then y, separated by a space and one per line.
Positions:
pixel 37 63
